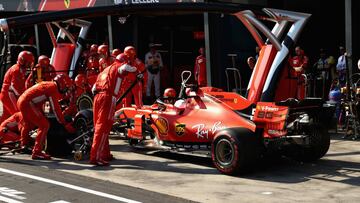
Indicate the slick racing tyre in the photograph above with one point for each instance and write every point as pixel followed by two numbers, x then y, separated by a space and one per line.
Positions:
pixel 319 142
pixel 234 151
pixel 84 102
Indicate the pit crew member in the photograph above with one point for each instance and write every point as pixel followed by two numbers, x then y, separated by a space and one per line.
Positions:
pixel 10 129
pixel 106 91
pixel 31 104
pixel 43 71
pixel 200 68
pixel 137 90
pixel 298 65
pixel 14 83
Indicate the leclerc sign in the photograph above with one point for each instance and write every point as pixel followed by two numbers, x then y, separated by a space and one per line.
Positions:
pixel 153 1
pixel 50 5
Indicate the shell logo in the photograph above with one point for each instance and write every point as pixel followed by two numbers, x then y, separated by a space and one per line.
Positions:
pixel 162 125
pixel 67 3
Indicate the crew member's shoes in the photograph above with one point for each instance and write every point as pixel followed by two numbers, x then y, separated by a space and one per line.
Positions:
pixel 25 150
pixel 40 156
pixel 99 162
pixel 110 158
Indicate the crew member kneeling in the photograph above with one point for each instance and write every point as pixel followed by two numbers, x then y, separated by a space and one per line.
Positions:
pixel 10 129
pixel 31 104
pixel 106 91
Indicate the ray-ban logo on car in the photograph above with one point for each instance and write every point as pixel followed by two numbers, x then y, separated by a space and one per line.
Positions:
pixel 67 3
pixel 180 129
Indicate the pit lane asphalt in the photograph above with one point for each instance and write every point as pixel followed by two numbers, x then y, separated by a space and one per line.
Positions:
pixel 335 178
pixel 23 182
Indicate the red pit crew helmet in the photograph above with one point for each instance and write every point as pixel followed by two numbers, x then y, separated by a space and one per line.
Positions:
pixel 94 48
pixel 26 59
pixel 130 52
pixel 92 63
pixel 103 50
pixel 43 61
pixel 64 83
pixel 115 52
pixel 122 58
pixel 80 80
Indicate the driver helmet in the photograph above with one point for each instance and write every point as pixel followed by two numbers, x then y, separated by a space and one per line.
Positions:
pixel 169 93
pixel 64 83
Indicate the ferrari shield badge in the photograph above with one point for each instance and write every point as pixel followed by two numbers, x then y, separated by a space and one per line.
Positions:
pixel 180 129
pixel 67 3
pixel 163 125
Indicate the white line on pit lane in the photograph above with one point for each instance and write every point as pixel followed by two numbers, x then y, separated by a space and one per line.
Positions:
pixel 74 187
pixel 8 200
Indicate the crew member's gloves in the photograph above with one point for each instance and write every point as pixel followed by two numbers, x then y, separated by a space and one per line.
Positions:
pixel 140 76
pixel 68 118
pixel 70 128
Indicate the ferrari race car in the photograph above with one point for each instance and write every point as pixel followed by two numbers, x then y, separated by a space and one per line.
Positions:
pixel 239 130
pixel 211 119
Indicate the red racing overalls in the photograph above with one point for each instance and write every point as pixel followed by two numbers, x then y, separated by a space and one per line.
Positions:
pixel 139 88
pixel 39 74
pixel 10 129
pixel 31 104
pixel 297 81
pixel 106 90
pixel 200 71
pixel 13 86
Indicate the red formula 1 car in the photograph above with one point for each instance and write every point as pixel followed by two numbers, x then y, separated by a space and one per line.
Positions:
pixel 238 130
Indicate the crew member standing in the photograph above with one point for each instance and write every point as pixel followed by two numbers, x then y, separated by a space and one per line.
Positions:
pixel 137 90
pixel 341 66
pixel 31 104
pixel 43 71
pixel 154 64
pixel 92 70
pixel 14 83
pixel 104 59
pixel 106 91
pixel 200 69
pixel 298 65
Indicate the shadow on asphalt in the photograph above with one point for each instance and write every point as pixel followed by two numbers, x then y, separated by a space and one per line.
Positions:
pixel 280 170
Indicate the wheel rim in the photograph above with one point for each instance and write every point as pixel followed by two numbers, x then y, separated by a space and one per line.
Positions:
pixel 225 152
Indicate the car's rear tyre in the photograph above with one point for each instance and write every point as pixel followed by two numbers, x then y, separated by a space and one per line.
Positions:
pixel 319 143
pixel 234 151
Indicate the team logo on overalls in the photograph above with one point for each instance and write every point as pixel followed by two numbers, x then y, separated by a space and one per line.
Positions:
pixel 67 3
pixel 180 129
